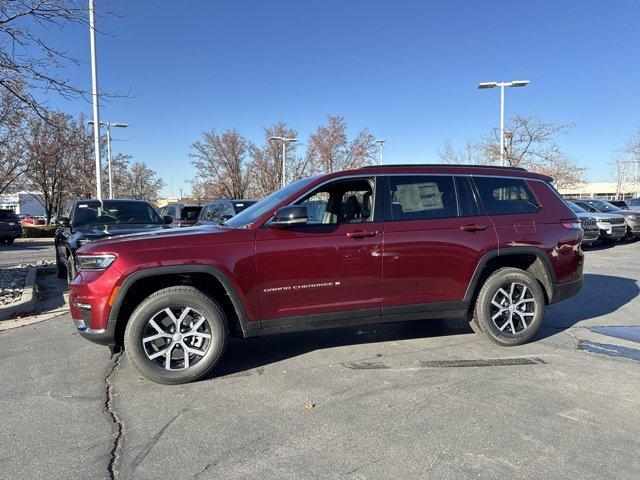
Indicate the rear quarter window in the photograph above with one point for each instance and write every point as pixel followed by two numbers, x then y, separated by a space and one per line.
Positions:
pixel 503 196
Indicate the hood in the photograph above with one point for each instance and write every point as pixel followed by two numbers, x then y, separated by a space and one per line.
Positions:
pixel 170 236
pixel 629 213
pixel 602 216
pixel 109 230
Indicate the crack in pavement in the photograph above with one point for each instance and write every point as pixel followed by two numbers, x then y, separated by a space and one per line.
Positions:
pixel 116 449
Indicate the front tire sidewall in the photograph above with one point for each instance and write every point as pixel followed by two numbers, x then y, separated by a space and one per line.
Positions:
pixel 175 297
pixel 501 279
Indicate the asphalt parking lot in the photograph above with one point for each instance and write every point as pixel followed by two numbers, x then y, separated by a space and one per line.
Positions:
pixel 414 400
pixel 27 250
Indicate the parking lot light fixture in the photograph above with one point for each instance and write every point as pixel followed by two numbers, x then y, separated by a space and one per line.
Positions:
pixel 284 141
pixel 108 125
pixel 502 85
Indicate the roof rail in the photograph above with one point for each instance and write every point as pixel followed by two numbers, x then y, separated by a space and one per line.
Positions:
pixel 392 165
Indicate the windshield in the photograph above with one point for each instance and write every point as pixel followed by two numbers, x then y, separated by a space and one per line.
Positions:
pixel 603 206
pixel 576 208
pixel 258 209
pixel 114 212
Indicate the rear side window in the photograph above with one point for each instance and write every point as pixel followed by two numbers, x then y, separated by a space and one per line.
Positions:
pixel 505 196
pixel 422 197
pixel 466 198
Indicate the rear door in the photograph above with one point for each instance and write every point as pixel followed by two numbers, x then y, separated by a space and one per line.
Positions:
pixel 513 208
pixel 434 236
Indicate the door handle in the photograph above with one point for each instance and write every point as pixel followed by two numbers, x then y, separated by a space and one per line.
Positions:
pixel 361 234
pixel 472 228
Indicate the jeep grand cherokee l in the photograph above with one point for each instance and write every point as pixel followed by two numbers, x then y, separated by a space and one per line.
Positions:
pixel 384 244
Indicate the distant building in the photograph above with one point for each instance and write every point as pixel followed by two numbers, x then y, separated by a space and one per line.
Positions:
pixel 23 203
pixel 604 190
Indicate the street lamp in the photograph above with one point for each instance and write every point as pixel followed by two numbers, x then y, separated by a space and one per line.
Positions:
pixel 94 97
pixel 284 141
pixel 515 83
pixel 381 142
pixel 109 125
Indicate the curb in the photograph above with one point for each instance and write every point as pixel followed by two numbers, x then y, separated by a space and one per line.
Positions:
pixel 26 301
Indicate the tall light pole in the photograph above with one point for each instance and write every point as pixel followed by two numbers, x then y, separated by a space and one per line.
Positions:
pixel 381 142
pixel 284 141
pixel 109 125
pixel 515 83
pixel 94 95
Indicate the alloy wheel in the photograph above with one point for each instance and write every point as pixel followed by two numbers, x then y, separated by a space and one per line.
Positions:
pixel 513 308
pixel 176 338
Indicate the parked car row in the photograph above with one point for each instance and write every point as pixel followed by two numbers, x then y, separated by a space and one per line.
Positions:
pixel 211 213
pixel 602 221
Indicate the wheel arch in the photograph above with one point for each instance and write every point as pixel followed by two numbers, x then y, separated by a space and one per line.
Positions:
pixel 142 283
pixel 530 259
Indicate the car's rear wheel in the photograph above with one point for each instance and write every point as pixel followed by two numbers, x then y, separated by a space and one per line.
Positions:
pixel 176 335
pixel 510 307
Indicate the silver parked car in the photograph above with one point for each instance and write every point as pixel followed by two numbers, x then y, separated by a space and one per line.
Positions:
pixel 589 224
pixel 631 217
pixel 612 226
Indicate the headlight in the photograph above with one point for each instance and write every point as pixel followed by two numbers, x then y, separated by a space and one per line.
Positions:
pixel 94 262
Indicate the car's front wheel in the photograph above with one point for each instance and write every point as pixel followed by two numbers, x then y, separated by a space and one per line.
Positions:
pixel 510 306
pixel 176 335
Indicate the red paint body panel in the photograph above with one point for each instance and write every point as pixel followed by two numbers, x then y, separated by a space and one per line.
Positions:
pixel 432 260
pixel 318 269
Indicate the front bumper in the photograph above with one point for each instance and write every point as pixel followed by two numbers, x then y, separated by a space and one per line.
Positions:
pixel 89 295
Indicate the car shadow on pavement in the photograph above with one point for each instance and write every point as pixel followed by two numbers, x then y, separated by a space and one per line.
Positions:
pixel 243 355
pixel 600 296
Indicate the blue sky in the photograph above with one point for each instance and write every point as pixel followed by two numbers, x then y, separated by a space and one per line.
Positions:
pixel 406 70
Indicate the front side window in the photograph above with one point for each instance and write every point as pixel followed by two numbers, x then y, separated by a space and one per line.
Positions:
pixel 505 195
pixel 339 202
pixel 420 197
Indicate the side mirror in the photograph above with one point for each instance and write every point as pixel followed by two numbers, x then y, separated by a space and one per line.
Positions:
pixel 289 216
pixel 62 222
pixel 167 220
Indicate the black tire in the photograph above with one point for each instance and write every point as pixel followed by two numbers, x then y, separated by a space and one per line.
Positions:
pixel 9 241
pixel 178 297
pixel 61 270
pixel 71 269
pixel 526 317
pixel 475 326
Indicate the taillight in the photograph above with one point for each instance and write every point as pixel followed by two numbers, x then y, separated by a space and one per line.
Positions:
pixel 571 224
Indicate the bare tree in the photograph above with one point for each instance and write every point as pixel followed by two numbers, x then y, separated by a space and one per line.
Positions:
pixel 468 155
pixel 529 143
pixel 620 171
pixel 142 183
pixel 47 160
pixel 330 150
pixel 632 151
pixel 266 162
pixel 222 165
pixel 12 148
pixel 29 63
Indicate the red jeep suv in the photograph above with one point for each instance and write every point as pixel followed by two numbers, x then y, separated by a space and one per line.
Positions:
pixel 378 244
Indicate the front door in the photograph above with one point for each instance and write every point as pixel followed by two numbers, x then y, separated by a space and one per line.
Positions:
pixel 330 266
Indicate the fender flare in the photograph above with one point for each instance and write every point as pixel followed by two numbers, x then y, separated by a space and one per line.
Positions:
pixel 177 269
pixel 549 284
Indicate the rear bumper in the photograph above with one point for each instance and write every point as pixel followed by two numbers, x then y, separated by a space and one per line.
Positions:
pixel 11 233
pixel 567 290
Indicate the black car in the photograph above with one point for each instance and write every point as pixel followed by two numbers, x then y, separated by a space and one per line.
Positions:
pixel 218 211
pixel 10 228
pixel 182 215
pixel 90 220
pixel 621 204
